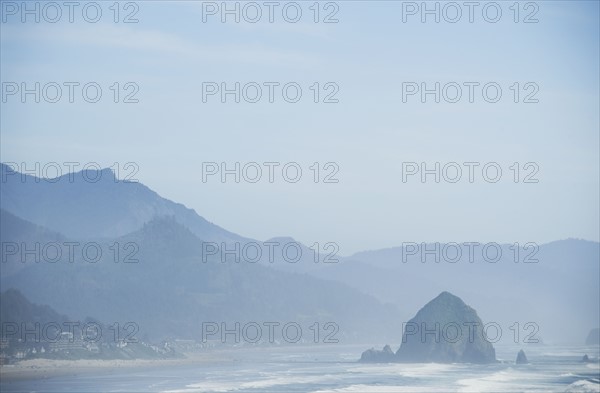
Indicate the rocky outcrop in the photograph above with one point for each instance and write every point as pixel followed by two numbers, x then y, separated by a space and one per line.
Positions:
pixel 585 359
pixel 521 358
pixel 386 355
pixel 446 330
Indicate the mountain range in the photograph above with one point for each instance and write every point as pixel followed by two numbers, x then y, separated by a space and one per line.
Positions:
pixel 155 270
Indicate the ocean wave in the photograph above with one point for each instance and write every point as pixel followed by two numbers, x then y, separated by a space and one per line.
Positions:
pixel 227 386
pixel 583 386
pixel 505 380
pixel 415 370
pixel 384 389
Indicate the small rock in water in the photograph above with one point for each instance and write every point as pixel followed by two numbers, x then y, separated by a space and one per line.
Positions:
pixel 521 358
pixel 376 356
pixel 585 359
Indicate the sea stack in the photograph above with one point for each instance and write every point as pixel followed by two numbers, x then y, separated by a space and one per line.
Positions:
pixel 386 355
pixel 521 358
pixel 445 330
pixel 593 338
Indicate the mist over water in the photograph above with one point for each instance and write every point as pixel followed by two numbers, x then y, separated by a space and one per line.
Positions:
pixel 336 196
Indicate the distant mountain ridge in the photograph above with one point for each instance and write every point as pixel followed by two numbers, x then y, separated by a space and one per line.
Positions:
pixel 16 309
pixel 171 290
pixel 79 208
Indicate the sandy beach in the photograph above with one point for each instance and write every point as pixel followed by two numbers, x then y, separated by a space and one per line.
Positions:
pixel 47 368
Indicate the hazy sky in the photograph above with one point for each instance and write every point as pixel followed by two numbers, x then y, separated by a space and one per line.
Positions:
pixel 368 54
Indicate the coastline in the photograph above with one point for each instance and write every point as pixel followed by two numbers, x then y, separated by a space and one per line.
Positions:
pixel 35 369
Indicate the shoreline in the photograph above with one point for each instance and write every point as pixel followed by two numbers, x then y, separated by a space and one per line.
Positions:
pixel 36 369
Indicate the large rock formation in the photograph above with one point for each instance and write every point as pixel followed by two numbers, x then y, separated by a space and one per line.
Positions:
pixel 593 338
pixel 446 330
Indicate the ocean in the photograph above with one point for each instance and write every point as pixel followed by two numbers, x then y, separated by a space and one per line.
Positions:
pixel 334 368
